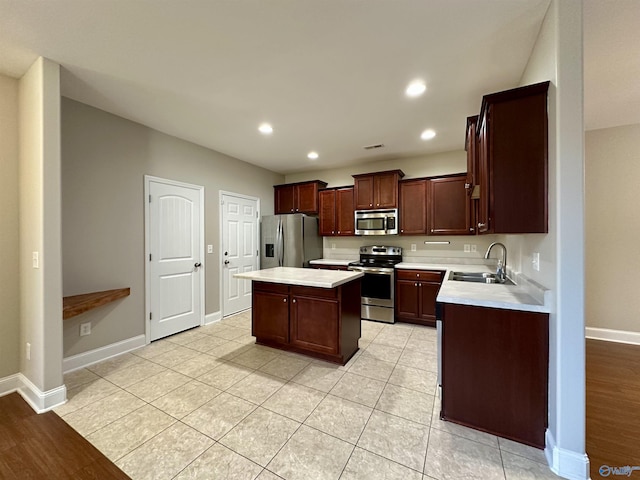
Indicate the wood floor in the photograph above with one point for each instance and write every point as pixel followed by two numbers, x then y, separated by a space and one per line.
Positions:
pixel 43 446
pixel 613 405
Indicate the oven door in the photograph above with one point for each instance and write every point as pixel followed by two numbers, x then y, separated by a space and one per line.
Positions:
pixel 376 286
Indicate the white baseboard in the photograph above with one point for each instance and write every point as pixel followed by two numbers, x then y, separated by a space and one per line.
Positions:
pixel 38 400
pixel 565 463
pixel 609 335
pixel 212 317
pixel 85 359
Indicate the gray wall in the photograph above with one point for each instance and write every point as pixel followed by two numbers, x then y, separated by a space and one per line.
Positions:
pixel 104 160
pixel 9 229
pixel 612 167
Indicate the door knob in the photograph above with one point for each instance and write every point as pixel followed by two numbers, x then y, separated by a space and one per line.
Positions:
pixel 197 265
pixel 226 262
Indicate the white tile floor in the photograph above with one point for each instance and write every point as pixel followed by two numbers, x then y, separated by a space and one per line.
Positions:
pixel 210 404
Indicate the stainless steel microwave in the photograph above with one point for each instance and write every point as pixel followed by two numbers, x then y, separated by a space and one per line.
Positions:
pixel 376 222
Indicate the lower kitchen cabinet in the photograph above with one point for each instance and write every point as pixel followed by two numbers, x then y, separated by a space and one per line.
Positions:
pixel 320 322
pixel 416 292
pixel 495 371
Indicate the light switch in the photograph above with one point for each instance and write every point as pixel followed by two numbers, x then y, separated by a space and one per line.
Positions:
pixel 535 260
pixel 413 247
pixel 467 247
pixel 35 259
pixel 209 248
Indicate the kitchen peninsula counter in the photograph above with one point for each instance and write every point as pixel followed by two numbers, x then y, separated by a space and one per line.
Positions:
pixel 308 311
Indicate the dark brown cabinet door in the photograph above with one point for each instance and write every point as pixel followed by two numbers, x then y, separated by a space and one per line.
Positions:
pixel 449 206
pixel 345 222
pixel 315 324
pixel 285 199
pixel 327 213
pixel 513 152
pixel 307 196
pixel 407 299
pixel 386 190
pixel 495 371
pixel 270 316
pixel 413 207
pixel 427 293
pixel 364 192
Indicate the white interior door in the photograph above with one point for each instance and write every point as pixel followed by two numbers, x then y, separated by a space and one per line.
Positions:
pixel 175 281
pixel 239 249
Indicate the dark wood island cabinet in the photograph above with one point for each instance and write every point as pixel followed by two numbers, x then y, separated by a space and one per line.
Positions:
pixel 322 322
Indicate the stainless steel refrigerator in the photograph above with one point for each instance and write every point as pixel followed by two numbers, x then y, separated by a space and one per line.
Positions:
pixel 289 241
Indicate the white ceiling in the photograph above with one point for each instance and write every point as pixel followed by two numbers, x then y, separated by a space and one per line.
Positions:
pixel 328 75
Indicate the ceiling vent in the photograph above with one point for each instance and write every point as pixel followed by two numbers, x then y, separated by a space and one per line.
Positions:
pixel 372 147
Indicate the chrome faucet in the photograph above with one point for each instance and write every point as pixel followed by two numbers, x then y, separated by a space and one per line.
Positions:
pixel 501 271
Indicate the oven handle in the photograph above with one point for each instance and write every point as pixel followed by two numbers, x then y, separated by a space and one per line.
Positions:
pixel 375 271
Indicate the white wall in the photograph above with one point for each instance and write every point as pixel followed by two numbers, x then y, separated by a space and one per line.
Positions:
pixel 612 228
pixel 557 57
pixel 105 158
pixel 40 218
pixel 9 232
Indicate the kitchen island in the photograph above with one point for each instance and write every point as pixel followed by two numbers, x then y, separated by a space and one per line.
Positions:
pixel 307 311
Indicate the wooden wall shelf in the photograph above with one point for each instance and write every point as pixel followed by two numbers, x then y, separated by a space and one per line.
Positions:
pixel 76 304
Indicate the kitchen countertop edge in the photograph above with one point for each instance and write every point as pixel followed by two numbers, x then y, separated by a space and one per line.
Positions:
pixel 302 277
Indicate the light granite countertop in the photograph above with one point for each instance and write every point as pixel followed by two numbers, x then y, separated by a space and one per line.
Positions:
pixel 305 277
pixel 525 295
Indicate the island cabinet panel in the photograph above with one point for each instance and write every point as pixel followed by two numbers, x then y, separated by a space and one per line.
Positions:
pixel 416 293
pixel 271 312
pixel 495 371
pixel 413 207
pixel 449 206
pixel 320 322
pixel 314 324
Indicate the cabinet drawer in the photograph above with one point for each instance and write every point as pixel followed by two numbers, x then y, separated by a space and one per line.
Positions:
pixel 270 287
pixel 314 292
pixel 424 275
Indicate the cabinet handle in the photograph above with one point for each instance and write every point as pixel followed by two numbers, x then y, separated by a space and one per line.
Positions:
pixel 467 186
pixel 371 204
pixel 338 232
pixel 480 225
pixel 415 284
pixel 401 230
pixel 418 275
pixel 284 300
pixel 294 300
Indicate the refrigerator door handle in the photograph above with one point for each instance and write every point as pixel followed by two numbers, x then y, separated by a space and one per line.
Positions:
pixel 280 243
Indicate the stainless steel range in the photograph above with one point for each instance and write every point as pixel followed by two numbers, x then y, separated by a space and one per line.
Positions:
pixel 377 263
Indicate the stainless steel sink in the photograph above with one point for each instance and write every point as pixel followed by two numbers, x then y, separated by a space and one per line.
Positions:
pixel 478 277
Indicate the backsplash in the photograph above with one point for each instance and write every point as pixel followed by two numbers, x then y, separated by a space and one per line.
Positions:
pixel 347 248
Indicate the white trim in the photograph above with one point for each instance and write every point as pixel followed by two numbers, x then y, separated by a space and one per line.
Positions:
pixel 609 335
pixel 221 193
pixel 38 400
pixel 10 384
pixel 85 359
pixel 565 463
pixel 212 317
pixel 147 297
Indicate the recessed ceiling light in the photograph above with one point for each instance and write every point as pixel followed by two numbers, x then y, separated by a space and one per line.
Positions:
pixel 415 88
pixel 265 129
pixel 312 155
pixel 428 134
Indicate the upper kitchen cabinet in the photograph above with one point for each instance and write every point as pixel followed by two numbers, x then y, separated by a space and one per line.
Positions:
pixel 297 197
pixel 413 207
pixel 377 190
pixel 512 152
pixel 336 212
pixel 449 206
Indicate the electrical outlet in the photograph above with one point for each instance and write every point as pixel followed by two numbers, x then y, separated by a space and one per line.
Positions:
pixel 209 248
pixel 474 248
pixel 85 329
pixel 467 248
pixel 333 246
pixel 35 259
pixel 413 247
pixel 28 351
pixel 535 261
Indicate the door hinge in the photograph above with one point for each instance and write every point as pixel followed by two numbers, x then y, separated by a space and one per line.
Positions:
pixel 150 316
pixel 149 198
pixel 149 257
pixel 257 214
